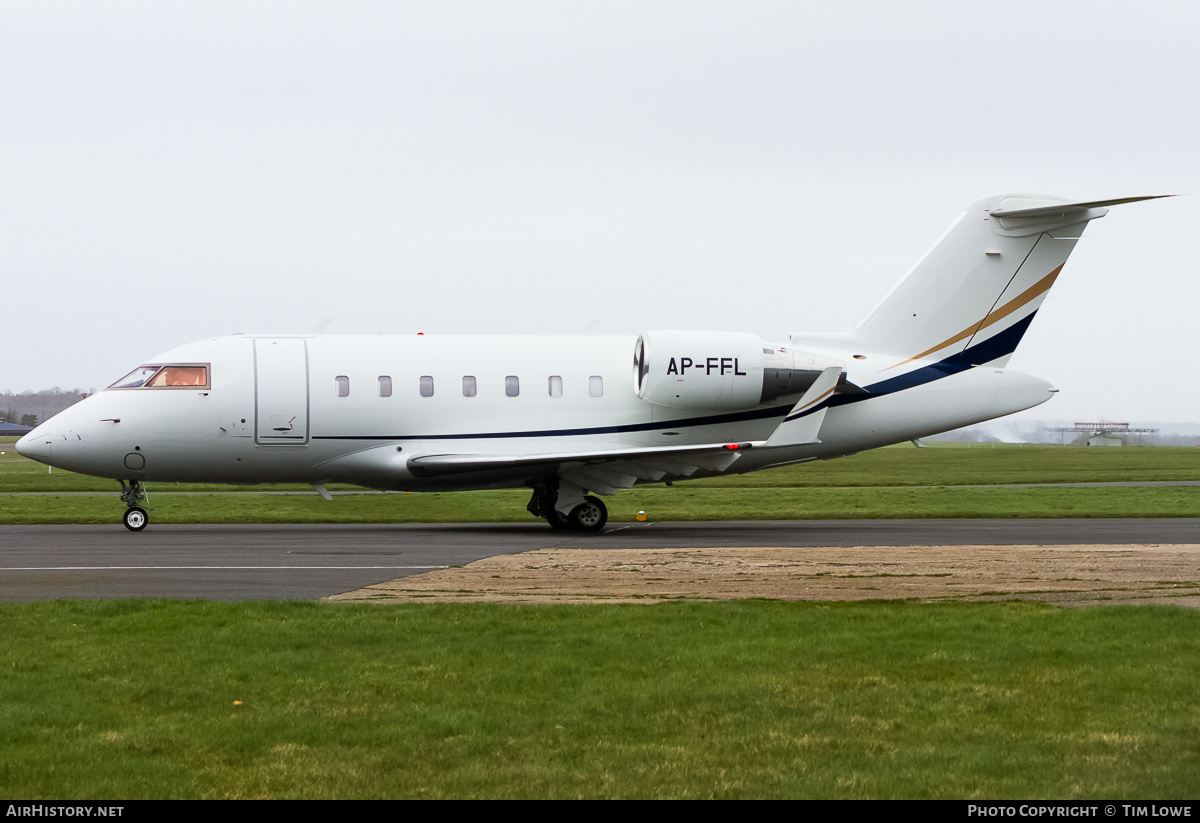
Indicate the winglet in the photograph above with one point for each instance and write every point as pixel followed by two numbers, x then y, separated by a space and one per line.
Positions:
pixel 803 423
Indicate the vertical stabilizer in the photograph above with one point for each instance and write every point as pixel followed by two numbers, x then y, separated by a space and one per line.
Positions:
pixel 975 292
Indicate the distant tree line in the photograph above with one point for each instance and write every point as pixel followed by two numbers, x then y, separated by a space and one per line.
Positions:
pixel 30 408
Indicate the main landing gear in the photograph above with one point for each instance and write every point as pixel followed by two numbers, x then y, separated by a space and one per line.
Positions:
pixel 134 495
pixel 588 515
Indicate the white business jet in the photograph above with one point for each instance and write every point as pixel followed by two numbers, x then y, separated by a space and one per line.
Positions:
pixel 569 417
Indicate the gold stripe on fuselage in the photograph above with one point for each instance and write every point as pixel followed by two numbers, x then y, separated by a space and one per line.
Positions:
pixel 1024 298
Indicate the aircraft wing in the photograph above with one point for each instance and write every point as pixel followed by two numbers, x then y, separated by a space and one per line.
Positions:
pixel 603 471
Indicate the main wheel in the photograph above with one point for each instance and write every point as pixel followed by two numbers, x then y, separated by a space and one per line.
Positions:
pixel 558 521
pixel 136 518
pixel 589 516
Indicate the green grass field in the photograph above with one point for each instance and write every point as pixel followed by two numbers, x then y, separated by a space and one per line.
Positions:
pixel 748 699
pixel 944 480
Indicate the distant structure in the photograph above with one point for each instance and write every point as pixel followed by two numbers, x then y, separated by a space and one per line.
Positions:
pixel 1102 434
pixel 12 429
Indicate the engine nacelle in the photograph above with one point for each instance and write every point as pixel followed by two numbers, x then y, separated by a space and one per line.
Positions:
pixel 719 371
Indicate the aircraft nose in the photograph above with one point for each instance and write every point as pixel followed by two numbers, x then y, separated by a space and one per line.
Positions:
pixel 37 445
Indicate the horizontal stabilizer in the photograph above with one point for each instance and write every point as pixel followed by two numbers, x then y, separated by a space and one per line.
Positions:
pixel 803 423
pixel 1061 208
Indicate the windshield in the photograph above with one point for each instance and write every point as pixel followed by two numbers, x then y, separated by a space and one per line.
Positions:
pixel 135 378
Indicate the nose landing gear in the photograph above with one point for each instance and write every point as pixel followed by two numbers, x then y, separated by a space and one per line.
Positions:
pixel 134 495
pixel 136 518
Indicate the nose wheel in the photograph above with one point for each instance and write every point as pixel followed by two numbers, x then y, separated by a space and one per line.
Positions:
pixel 136 518
pixel 134 495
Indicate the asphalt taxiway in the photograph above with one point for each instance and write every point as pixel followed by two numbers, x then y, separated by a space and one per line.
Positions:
pixel 307 562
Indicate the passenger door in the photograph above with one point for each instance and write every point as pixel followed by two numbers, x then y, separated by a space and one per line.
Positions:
pixel 281 391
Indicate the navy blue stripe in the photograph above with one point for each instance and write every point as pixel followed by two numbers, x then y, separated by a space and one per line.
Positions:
pixel 1000 345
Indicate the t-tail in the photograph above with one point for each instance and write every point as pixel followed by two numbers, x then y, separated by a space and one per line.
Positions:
pixel 971 297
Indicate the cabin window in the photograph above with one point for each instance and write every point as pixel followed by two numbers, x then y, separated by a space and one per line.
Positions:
pixel 596 386
pixel 555 386
pixel 426 385
pixel 469 386
pixel 342 383
pixel 512 386
pixel 385 386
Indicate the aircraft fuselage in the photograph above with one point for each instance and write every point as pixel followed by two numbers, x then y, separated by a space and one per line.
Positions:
pixel 357 409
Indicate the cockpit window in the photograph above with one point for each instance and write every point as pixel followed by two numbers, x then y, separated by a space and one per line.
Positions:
pixel 181 376
pixel 190 376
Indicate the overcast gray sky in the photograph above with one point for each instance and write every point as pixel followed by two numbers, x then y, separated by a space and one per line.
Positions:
pixel 175 171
